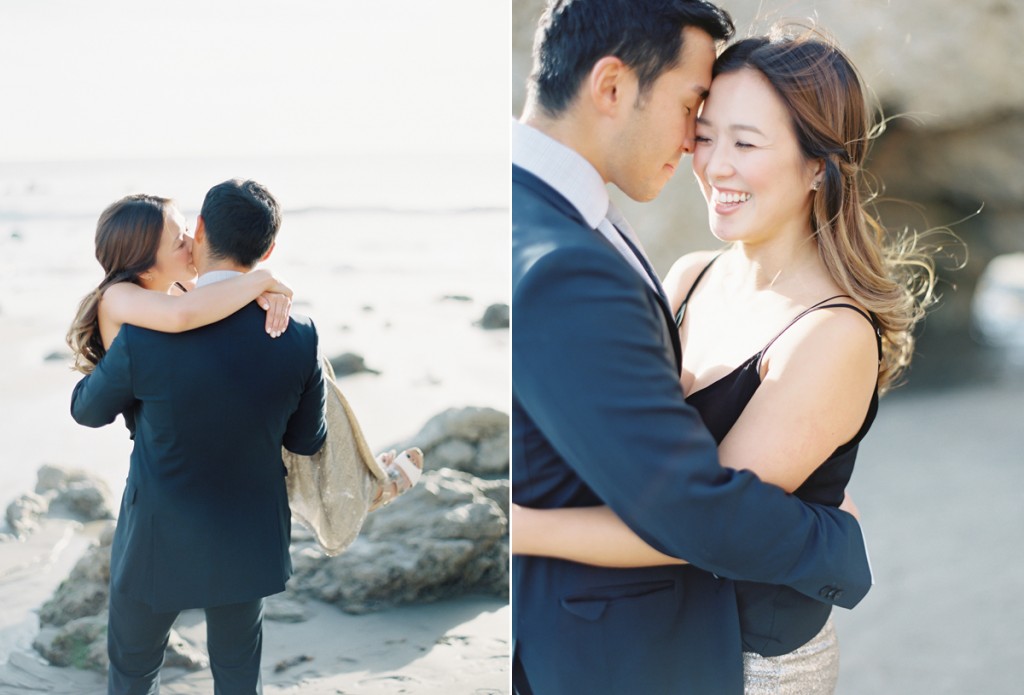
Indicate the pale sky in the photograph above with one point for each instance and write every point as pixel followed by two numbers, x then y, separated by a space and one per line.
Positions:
pixel 135 78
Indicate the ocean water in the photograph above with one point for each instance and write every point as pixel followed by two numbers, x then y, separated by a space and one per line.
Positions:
pixel 458 182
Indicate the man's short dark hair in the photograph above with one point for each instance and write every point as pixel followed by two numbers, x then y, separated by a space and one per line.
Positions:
pixel 646 35
pixel 241 220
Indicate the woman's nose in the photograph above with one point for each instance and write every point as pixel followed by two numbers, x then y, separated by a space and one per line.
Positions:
pixel 718 164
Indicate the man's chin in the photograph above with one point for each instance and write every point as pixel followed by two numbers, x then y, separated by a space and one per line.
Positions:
pixel 644 194
pixel 646 191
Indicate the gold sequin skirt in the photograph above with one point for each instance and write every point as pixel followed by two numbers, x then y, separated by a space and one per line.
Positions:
pixel 813 669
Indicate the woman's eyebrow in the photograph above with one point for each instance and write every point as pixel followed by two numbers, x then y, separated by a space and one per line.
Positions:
pixel 738 126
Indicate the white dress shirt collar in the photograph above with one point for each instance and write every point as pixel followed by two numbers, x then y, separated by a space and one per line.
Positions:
pixel 576 179
pixel 562 168
pixel 216 276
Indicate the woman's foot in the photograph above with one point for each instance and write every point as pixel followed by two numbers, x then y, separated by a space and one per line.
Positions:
pixel 403 471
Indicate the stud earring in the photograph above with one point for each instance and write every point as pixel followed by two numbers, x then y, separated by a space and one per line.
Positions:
pixel 816 185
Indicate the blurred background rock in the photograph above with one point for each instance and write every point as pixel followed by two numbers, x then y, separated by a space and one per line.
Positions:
pixel 939 479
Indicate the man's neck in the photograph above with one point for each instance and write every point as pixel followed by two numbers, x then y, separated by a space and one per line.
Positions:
pixel 569 130
pixel 204 268
pixel 212 272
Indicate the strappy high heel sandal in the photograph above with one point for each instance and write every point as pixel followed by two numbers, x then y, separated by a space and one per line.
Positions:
pixel 404 471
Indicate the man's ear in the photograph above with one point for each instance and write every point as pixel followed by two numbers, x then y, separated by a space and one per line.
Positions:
pixel 269 251
pixel 199 235
pixel 608 85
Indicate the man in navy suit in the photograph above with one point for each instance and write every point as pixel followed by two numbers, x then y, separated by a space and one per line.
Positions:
pixel 204 520
pixel 598 414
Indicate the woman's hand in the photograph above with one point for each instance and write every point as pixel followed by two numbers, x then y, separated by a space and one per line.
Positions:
pixel 849 507
pixel 276 300
pixel 278 308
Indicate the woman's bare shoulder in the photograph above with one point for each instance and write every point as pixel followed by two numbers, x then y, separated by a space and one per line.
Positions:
pixel 121 289
pixel 684 272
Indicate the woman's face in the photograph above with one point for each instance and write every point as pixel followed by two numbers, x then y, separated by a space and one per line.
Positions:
pixel 754 178
pixel 174 255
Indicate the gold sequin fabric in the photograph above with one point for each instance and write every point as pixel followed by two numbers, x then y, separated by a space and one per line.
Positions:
pixel 813 669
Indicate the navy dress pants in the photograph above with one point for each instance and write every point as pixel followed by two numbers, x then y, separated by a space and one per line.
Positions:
pixel 137 637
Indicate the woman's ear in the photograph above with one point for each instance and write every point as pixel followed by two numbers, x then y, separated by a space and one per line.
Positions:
pixel 818 173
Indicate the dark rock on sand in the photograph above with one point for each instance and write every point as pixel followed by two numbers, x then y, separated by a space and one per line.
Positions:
pixel 285 608
pixel 81 643
pixel 495 316
pixel 23 513
pixel 85 496
pixel 86 590
pixel 350 363
pixel 74 620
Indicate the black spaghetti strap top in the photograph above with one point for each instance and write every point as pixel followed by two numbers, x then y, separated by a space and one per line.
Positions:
pixel 721 402
pixel 776 619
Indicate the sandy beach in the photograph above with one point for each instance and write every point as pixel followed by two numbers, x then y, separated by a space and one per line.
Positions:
pixel 938 483
pixel 401 286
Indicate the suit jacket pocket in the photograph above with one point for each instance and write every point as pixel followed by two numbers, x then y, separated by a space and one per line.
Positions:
pixel 592 603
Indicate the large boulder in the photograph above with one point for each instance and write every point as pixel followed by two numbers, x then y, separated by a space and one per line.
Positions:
pixel 84 593
pixel 74 620
pixel 474 440
pixel 446 537
pixel 23 513
pixel 85 496
pixel 82 643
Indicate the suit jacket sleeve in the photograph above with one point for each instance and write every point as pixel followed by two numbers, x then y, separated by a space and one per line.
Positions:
pixel 100 396
pixel 589 366
pixel 307 428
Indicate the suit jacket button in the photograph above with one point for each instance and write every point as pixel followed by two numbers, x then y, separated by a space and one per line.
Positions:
pixel 824 591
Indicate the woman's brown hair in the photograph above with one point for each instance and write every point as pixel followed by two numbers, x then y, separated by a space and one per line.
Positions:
pixel 889 275
pixel 128 235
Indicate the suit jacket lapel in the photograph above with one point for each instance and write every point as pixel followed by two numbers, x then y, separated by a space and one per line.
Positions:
pixel 525 178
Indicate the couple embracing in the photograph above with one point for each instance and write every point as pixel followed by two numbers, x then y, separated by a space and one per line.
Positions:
pixel 215 395
pixel 681 447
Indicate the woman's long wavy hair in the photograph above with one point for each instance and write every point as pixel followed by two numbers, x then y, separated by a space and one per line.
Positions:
pixel 128 235
pixel 890 275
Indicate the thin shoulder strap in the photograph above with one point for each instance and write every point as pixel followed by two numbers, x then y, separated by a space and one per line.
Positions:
pixel 824 304
pixel 682 307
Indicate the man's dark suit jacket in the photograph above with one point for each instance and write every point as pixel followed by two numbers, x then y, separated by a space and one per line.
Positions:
pixel 598 417
pixel 204 519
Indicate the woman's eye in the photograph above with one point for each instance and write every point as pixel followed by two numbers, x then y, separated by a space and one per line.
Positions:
pixel 743 145
pixel 701 138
